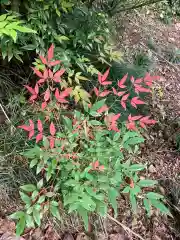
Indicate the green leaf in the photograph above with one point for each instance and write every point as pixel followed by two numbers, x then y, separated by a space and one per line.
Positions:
pixel 20 226
pixel 133 202
pixel 24 29
pixel 97 105
pixel 102 208
pixel 129 134
pixel 54 203
pixel 147 206
pixel 3 17
pixel 29 221
pixel 135 190
pixel 94 114
pixel 112 195
pixel 147 183
pixel 134 141
pixel 126 189
pixel 25 198
pixel 95 123
pixel 17 215
pixel 159 205
pixel 41 199
pixel 13 34
pixel 36 216
pixel 116 136
pixel 68 123
pixel 40 184
pixel 28 187
pixel 84 214
pixel 136 167
pixel 50 194
pixel 29 47
pixel 55 211
pixel 153 195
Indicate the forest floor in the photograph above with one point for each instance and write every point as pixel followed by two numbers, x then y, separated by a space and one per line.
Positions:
pixel 142 32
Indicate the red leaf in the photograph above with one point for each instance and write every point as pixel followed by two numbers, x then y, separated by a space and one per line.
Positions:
pixel 62 100
pixel 104 93
pixel 51 142
pixel 26 128
pixel 54 63
pixel 114 127
pixel 134 118
pixel 39 137
pixel 146 120
pixel 121 93
pixel 96 91
pixel 122 81
pixel 50 73
pixel 65 93
pixel 57 95
pixel 43 60
pixel 40 81
pixel 39 125
pixel 124 98
pixel 52 129
pixel 37 72
pixel 45 74
pixel 123 104
pixel 139 88
pixel 136 101
pixel 95 165
pixel 115 117
pixel 138 80
pixel 50 52
pixel 106 83
pixel 142 125
pixel 59 73
pixel 101 168
pixel 31 134
pixel 43 105
pixel 31 124
pixel 105 75
pixel 131 126
pixel 36 89
pixel 99 77
pixel 32 98
pixel 103 109
pixel 47 95
pixel 114 91
pixel 30 89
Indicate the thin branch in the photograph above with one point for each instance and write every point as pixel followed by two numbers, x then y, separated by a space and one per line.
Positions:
pixel 125 227
pixel 5 113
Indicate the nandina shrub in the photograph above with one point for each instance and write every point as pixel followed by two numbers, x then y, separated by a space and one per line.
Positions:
pixel 83 154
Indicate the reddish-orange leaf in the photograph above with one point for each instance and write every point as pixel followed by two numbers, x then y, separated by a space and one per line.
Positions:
pixel 131 183
pixel 134 118
pixel 39 137
pixel 142 125
pixel 105 75
pixel 30 89
pixel 122 81
pixel 96 91
pixel 32 98
pixel 47 95
pixel 106 83
pixel 123 104
pixel 101 168
pixel 43 105
pixel 36 89
pixel 31 134
pixel 115 117
pixel 114 91
pixel 54 63
pixel 121 93
pixel 52 129
pixel 39 125
pixel 59 73
pixel 37 72
pixel 31 124
pixel 50 53
pixel 131 126
pixel 104 93
pixel 146 120
pixel 124 98
pixel 132 79
pixel 43 60
pixel 40 81
pixel 50 73
pixel 25 127
pixel 51 142
pixel 136 101
pixel 45 74
pixel 103 109
pixel 57 95
pixel 138 80
pixel 65 93
pixel 139 88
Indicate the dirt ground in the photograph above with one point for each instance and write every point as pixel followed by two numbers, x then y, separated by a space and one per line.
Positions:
pixel 137 32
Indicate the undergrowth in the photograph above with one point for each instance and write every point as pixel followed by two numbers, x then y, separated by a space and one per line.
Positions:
pixel 81 151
